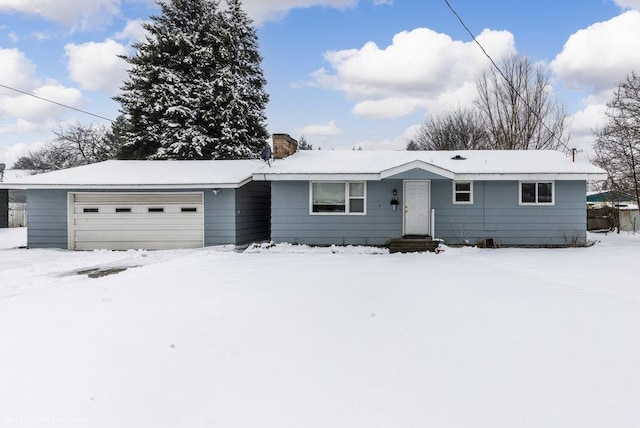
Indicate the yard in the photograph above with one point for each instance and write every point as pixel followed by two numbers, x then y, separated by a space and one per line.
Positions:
pixel 292 336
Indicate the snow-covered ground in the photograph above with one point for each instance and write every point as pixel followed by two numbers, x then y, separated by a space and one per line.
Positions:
pixel 335 337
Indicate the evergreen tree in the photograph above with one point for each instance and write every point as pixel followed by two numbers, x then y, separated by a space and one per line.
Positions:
pixel 180 98
pixel 241 99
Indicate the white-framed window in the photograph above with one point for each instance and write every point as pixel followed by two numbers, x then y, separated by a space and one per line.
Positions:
pixel 337 197
pixel 537 193
pixel 462 192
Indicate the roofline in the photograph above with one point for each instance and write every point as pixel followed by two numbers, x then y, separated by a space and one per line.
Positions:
pixel 561 176
pixel 260 176
pixel 416 164
pixel 565 176
pixel 97 186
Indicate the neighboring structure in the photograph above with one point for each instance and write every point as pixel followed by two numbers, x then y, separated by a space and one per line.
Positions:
pixel 491 198
pixel 607 198
pixel 13 203
pixel 147 205
pixel 4 208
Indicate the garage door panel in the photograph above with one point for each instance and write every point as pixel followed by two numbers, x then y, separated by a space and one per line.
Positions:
pixel 134 245
pixel 122 221
pixel 137 198
pixel 165 221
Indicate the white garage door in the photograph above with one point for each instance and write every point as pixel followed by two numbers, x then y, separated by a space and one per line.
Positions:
pixel 121 221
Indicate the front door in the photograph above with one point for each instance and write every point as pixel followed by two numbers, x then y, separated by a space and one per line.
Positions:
pixel 417 207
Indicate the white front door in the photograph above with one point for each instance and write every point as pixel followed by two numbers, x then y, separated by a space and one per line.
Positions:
pixel 417 207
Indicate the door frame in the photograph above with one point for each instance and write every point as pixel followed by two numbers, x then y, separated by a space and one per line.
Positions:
pixel 427 208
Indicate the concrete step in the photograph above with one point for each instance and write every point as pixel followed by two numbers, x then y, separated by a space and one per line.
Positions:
pixel 412 245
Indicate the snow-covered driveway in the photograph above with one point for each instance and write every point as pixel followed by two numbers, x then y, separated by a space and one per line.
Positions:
pixel 300 337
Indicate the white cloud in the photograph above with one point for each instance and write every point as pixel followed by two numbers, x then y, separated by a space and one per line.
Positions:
pixel 22 113
pixel 133 31
pixel 628 4
pixel 261 10
pixel 397 143
pixel 601 55
pixel 13 37
pixel 419 69
pixel 33 110
pixel 17 70
pixel 10 154
pixel 328 130
pixel 96 66
pixel 76 14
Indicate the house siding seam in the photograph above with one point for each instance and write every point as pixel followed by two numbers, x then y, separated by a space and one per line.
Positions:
pixel 495 214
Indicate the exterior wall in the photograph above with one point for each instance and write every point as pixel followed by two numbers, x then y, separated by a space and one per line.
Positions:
pixel 496 214
pixel 47 218
pixel 48 226
pixel 253 212
pixel 629 220
pixel 219 222
pixel 4 208
pixel 291 221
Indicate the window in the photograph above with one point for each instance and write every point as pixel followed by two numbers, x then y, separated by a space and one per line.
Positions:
pixel 536 193
pixel 188 209
pixel 338 197
pixel 90 210
pixel 156 210
pixel 123 210
pixel 463 192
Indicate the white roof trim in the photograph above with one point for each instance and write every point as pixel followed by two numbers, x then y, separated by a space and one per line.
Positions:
pixel 259 176
pixel 416 164
pixel 96 186
pixel 530 176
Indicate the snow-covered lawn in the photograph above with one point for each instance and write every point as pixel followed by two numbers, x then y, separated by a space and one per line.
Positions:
pixel 300 337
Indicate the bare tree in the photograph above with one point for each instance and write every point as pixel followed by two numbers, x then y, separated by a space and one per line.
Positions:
pixel 617 144
pixel 460 129
pixel 517 108
pixel 74 145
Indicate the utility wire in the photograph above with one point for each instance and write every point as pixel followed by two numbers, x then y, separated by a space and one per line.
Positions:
pixel 56 103
pixel 506 79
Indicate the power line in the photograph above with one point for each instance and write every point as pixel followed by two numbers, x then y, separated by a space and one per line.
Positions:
pixel 56 103
pixel 506 79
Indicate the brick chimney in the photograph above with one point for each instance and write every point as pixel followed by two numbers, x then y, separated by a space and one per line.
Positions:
pixel 283 146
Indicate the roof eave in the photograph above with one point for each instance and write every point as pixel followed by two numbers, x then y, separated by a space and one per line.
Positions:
pixel 562 176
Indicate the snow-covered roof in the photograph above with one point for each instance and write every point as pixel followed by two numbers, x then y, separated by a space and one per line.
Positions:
pixel 317 165
pixel 121 174
pixel 458 165
pixel 15 175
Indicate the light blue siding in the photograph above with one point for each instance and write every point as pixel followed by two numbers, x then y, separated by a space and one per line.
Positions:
pixel 495 214
pixel 47 218
pixel 291 221
pixel 230 217
pixel 219 217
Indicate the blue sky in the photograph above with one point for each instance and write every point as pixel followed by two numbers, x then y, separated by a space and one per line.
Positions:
pixel 343 73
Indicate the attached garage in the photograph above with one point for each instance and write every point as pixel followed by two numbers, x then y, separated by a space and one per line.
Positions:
pixel 150 221
pixel 122 205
